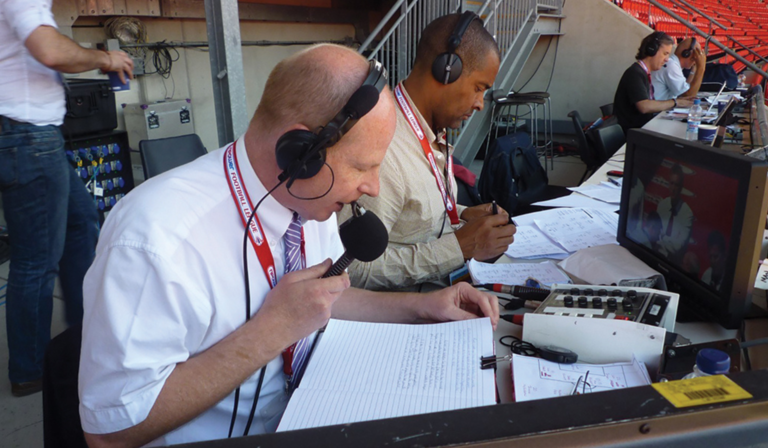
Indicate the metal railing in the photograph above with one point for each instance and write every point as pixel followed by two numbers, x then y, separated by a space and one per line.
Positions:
pixel 397 48
pixel 710 38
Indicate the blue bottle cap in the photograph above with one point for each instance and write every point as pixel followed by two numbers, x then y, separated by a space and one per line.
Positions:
pixel 697 101
pixel 713 361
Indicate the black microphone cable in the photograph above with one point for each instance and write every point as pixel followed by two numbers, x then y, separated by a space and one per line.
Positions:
pixel 247 318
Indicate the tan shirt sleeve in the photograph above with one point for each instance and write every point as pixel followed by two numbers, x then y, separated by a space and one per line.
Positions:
pixel 411 207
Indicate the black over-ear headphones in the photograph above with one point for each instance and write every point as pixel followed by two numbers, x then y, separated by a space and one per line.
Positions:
pixel 447 66
pixel 687 52
pixel 301 154
pixel 652 47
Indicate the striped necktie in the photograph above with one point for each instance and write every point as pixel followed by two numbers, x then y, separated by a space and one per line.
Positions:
pixel 293 262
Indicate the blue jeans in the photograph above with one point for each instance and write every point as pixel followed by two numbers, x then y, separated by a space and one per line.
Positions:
pixel 52 229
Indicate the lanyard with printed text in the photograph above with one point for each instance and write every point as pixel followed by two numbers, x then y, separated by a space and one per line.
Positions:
pixel 450 204
pixel 647 72
pixel 244 205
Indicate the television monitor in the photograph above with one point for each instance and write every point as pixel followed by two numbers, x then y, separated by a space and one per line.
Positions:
pixel 696 214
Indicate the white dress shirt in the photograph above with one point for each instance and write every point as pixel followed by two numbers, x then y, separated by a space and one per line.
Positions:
pixel 29 91
pixel 167 284
pixel 669 82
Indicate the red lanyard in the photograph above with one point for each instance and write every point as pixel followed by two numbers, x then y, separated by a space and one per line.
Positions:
pixel 647 72
pixel 450 204
pixel 244 205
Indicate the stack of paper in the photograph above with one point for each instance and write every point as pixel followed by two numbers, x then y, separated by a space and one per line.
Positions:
pixel 545 273
pixel 366 371
pixel 535 378
pixel 558 232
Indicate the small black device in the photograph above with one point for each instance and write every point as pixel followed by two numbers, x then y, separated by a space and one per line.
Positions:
pixel 688 51
pixel 447 66
pixel 558 354
pixel 301 153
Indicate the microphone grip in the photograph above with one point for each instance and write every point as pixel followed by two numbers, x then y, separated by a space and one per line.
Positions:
pixel 338 267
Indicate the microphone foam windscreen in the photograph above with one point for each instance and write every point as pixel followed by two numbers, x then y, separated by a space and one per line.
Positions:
pixel 362 101
pixel 364 237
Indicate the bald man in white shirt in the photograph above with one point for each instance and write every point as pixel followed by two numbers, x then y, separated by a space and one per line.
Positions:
pixel 50 216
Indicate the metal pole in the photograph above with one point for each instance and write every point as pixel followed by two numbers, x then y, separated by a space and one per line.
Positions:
pixel 226 56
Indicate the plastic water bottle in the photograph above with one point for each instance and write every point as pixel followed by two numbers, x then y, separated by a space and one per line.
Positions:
pixel 710 361
pixel 694 120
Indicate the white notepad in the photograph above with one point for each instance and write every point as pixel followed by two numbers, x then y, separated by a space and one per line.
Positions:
pixel 366 371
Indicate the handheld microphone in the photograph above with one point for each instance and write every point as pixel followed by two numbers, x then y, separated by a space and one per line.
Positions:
pixel 364 238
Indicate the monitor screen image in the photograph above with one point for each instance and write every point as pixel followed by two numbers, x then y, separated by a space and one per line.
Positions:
pixel 696 214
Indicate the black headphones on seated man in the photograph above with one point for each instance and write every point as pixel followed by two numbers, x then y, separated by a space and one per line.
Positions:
pixel 447 66
pixel 652 47
pixel 301 153
pixel 688 51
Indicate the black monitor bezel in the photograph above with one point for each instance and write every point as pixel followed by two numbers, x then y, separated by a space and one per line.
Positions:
pixel 728 305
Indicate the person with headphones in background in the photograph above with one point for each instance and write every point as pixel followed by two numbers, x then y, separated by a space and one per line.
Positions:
pixel 670 82
pixel 635 102
pixel 430 235
pixel 182 341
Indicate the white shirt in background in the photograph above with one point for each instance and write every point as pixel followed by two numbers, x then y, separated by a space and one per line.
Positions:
pixel 29 91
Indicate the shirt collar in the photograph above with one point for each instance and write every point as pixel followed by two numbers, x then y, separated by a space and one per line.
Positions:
pixel 274 217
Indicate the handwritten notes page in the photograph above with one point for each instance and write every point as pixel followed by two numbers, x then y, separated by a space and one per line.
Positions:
pixel 367 371
pixel 535 378
pixel 530 242
pixel 515 273
pixel 576 229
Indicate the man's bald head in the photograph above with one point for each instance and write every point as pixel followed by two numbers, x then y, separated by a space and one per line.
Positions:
pixel 310 87
pixel 475 45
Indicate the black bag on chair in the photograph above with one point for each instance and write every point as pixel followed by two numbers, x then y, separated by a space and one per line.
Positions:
pixel 512 174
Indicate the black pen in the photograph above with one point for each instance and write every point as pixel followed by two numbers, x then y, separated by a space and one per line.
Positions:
pixel 495 207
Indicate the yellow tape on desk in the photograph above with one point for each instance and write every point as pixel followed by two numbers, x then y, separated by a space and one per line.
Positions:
pixel 701 390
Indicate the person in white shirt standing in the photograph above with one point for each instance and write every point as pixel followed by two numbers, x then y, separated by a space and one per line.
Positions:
pixel 669 82
pixel 52 223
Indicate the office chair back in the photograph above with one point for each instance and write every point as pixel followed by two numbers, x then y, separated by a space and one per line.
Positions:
pixel 61 416
pixel 163 154
pixel 608 140
pixel 587 151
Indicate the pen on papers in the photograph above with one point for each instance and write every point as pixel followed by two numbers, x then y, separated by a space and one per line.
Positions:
pixel 614 181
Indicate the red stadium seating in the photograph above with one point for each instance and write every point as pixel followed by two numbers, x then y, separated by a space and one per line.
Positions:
pixel 746 21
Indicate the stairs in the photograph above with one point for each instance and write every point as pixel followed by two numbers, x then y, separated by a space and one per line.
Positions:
pixel 539 22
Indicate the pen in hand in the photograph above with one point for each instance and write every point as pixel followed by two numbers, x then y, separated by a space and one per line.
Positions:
pixel 495 207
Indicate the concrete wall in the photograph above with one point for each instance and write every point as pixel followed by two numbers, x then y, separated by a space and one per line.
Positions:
pixel 599 43
pixel 191 74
